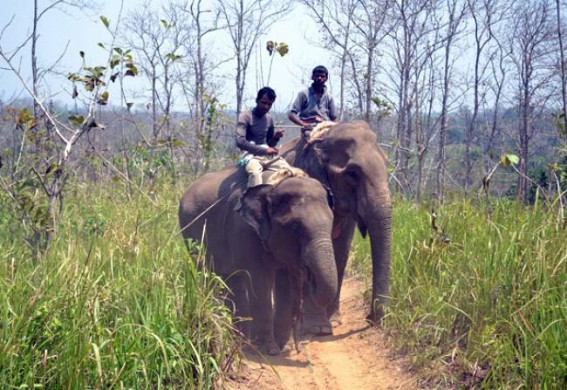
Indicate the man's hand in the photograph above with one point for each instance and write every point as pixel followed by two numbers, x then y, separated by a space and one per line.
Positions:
pixel 278 133
pixel 307 127
pixel 272 151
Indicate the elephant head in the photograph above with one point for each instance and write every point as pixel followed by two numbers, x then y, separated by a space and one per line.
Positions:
pixel 349 160
pixel 293 221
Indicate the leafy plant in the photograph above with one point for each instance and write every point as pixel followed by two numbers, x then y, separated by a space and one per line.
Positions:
pixel 505 160
pixel 115 302
pixel 274 47
pixel 47 144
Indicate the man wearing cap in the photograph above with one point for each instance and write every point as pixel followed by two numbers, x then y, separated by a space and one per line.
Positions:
pixel 314 104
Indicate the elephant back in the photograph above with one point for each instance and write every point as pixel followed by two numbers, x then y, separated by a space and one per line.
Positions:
pixel 207 195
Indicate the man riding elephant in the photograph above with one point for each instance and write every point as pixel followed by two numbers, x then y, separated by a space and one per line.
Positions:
pixel 256 137
pixel 265 237
pixel 314 105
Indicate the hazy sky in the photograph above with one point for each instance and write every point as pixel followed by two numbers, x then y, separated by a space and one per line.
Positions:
pixel 64 34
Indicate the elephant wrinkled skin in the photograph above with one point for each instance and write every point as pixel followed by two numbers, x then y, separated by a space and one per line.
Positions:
pixel 263 240
pixel 349 161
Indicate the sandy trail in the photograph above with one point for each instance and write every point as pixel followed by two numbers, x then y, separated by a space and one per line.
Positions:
pixel 354 357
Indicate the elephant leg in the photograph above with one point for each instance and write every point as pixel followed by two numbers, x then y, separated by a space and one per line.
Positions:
pixel 261 309
pixel 237 301
pixel 283 300
pixel 341 247
pixel 315 321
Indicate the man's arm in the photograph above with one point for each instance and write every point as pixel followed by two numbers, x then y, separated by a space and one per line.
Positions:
pixel 273 137
pixel 333 112
pixel 296 108
pixel 297 120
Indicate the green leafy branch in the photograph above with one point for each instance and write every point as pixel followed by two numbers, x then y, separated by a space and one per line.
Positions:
pixel 505 160
pixel 275 47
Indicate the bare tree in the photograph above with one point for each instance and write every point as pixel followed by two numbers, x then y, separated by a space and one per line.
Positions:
pixel 197 22
pixel 409 48
pixel 488 83
pixel 496 83
pixel 562 70
pixel 157 45
pixel 454 13
pixel 201 23
pixel 372 26
pixel 246 21
pixel 529 39
pixel 425 122
pixel 483 17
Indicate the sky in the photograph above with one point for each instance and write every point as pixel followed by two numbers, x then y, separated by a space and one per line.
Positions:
pixel 64 34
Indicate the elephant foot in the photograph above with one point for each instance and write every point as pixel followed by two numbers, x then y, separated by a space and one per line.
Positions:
pixel 375 317
pixel 317 330
pixel 272 349
pixel 315 321
pixel 336 319
pixel 316 326
pixel 268 348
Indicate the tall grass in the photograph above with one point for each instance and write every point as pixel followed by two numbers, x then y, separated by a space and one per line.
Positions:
pixel 115 302
pixel 483 302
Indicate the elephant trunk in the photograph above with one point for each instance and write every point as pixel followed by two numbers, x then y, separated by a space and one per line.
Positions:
pixel 322 271
pixel 379 224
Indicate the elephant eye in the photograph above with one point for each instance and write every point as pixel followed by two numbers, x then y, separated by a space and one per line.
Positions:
pixel 296 227
pixel 352 175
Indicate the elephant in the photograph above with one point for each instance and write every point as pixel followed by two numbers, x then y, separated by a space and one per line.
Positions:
pixel 264 240
pixel 348 160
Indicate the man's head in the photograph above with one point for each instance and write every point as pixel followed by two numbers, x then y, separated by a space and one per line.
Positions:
pixel 264 100
pixel 319 75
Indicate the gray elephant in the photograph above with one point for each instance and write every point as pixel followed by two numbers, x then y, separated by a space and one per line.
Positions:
pixel 348 160
pixel 264 240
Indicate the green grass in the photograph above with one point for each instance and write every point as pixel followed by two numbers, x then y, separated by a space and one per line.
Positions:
pixel 115 301
pixel 487 309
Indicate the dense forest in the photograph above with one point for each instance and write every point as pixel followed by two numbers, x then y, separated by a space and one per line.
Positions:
pixel 468 99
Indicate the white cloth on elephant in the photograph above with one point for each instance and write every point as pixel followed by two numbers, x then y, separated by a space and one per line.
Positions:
pixel 257 164
pixel 320 130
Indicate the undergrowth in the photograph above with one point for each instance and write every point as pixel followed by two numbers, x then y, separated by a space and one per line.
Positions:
pixel 114 302
pixel 481 301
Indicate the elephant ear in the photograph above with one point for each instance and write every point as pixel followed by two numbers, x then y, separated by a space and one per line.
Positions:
pixel 254 206
pixel 320 154
pixel 318 163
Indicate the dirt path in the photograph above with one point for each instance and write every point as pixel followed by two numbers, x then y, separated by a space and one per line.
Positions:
pixel 354 357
